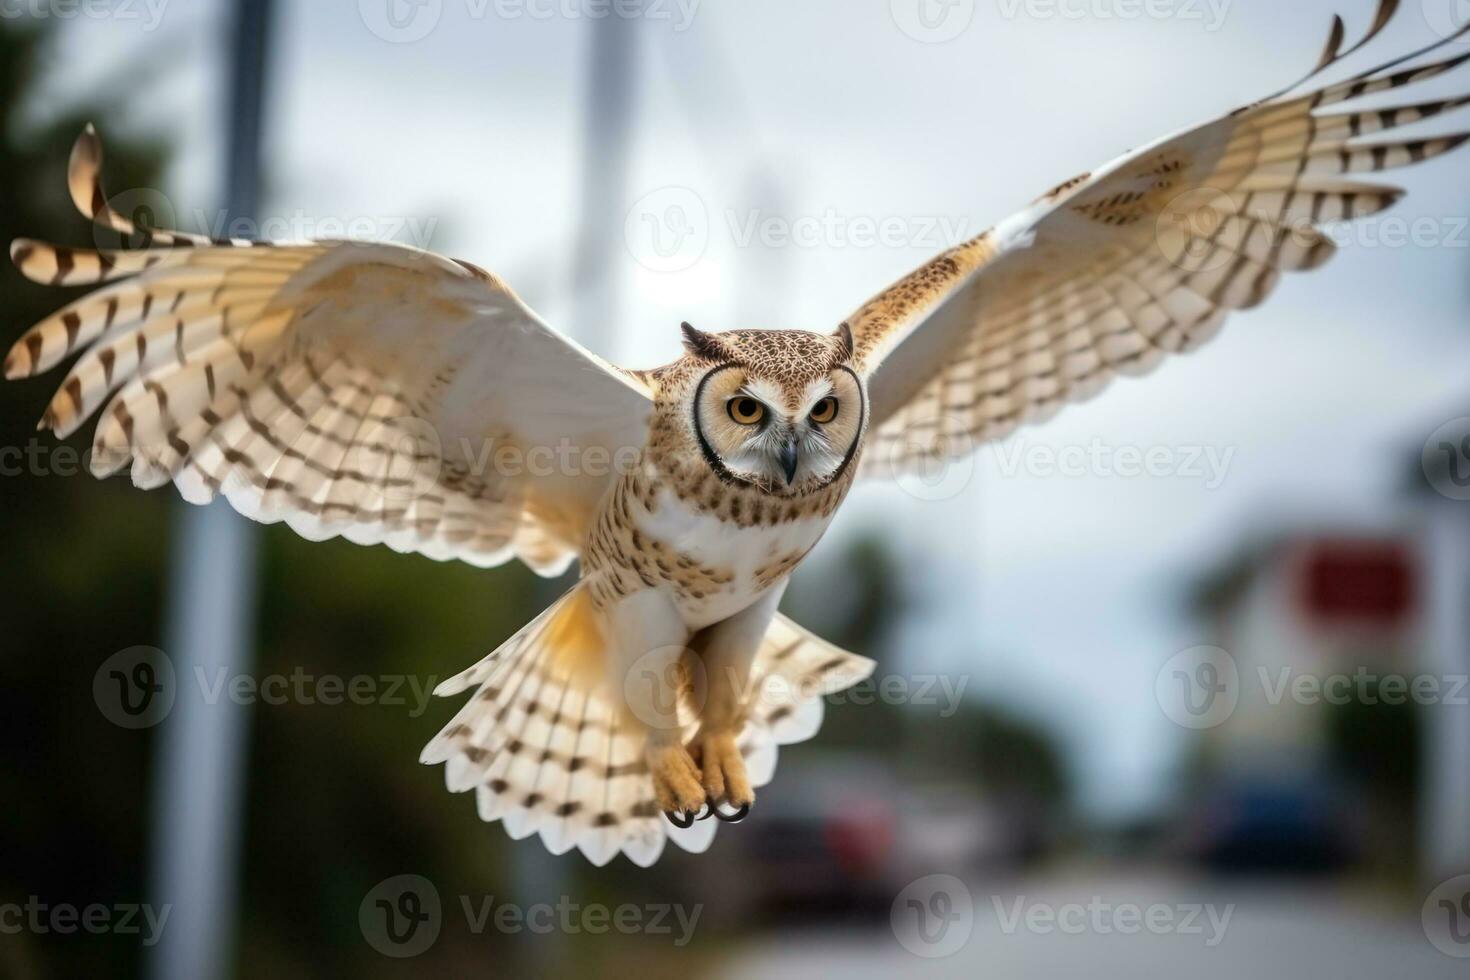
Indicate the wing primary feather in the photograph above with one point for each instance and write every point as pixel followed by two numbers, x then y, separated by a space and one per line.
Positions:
pixel 1333 53
pixel 1106 275
pixel 205 346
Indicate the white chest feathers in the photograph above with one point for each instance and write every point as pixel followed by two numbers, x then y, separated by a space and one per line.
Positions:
pixel 736 564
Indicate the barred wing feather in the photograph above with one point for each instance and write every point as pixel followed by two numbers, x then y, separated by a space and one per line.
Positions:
pixel 1111 272
pixel 372 391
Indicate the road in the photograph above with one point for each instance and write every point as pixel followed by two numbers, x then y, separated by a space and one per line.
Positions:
pixel 1123 927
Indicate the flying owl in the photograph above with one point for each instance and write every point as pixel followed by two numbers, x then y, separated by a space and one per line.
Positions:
pixel 390 395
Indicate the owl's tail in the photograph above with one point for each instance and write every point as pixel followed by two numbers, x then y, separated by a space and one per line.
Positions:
pixel 548 748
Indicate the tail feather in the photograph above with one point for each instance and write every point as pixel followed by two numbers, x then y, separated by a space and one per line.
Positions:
pixel 793 672
pixel 548 749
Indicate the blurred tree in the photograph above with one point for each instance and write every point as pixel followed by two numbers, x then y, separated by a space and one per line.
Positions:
pixel 1377 747
pixel 999 752
pixel 82 569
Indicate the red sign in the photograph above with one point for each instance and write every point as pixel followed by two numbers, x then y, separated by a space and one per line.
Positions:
pixel 1358 583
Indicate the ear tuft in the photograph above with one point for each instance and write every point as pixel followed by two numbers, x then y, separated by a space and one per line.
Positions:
pixel 704 345
pixel 845 346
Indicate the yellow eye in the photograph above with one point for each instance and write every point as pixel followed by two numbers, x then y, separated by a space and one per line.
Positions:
pixel 746 411
pixel 825 411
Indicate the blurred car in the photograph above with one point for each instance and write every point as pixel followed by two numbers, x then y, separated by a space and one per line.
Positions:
pixel 838 836
pixel 1274 826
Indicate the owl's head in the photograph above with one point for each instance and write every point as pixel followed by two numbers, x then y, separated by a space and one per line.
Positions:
pixel 780 410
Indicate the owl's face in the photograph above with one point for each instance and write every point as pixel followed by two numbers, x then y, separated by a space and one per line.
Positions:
pixel 781 411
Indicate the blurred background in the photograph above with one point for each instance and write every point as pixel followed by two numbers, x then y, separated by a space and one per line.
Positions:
pixel 1177 682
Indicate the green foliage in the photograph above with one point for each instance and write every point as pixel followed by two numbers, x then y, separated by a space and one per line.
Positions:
pixel 1378 749
pixel 82 570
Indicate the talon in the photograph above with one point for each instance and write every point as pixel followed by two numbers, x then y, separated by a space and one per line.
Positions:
pixel 706 811
pixel 735 817
pixel 723 773
pixel 676 785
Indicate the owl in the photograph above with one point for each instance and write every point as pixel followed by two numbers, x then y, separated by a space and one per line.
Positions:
pixel 389 395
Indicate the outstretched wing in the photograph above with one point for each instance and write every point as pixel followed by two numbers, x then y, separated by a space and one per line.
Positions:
pixel 1108 273
pixel 372 391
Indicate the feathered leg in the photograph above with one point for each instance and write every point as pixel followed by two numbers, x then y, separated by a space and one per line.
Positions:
pixel 651 641
pixel 728 650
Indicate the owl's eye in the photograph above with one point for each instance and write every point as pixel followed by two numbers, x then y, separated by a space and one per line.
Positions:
pixel 825 411
pixel 746 410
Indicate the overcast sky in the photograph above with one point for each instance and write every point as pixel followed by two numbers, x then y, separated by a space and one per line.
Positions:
pixel 797 155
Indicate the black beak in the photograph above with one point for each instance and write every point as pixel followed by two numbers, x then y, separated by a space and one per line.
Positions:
pixel 788 459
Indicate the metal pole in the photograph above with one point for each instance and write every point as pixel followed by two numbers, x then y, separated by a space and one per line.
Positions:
pixel 201 771
pixel 1445 817
pixel 609 134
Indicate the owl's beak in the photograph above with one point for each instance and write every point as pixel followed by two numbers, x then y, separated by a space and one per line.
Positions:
pixel 788 459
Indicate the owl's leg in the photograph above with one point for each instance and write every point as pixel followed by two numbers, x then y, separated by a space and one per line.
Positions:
pixel 651 637
pixel 728 650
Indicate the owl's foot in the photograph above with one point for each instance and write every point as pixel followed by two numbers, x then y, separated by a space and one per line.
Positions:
pixel 726 783
pixel 676 784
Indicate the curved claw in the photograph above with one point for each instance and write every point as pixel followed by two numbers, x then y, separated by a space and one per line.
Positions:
pixel 706 811
pixel 682 819
pixel 735 817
